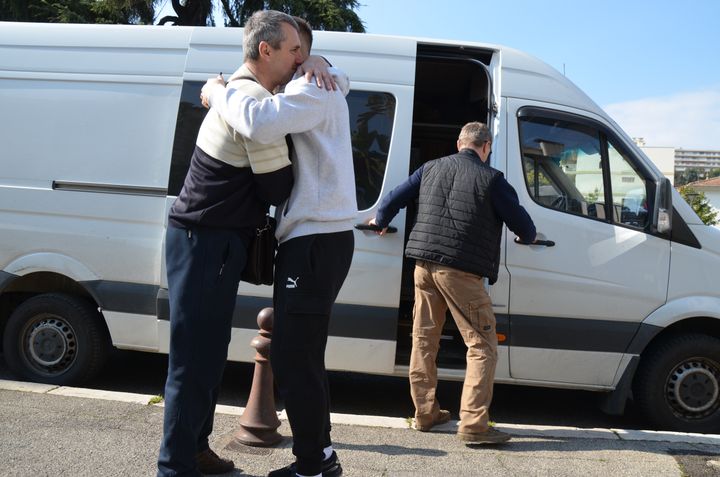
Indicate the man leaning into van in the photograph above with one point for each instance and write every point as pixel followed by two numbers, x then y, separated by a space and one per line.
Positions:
pixel 462 204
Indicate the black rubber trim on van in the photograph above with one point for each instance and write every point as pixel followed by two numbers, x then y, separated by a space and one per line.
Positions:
pixel 613 403
pixel 351 321
pixel 380 323
pixel 681 233
pixel 644 335
pixel 571 333
pixel 5 279
pixel 109 188
pixel 136 298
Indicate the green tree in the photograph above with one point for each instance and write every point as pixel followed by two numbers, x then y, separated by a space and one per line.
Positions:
pixel 700 205
pixel 689 175
pixel 79 11
pixel 333 15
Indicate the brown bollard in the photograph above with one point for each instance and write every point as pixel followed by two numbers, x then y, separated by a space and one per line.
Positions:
pixel 259 421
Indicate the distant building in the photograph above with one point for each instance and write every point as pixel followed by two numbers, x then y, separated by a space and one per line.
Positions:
pixel 696 159
pixel 664 159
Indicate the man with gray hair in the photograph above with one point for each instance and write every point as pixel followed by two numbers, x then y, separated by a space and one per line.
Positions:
pixel 462 204
pixel 227 191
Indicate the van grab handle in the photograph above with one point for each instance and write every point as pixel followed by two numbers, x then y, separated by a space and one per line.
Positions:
pixel 376 228
pixel 546 243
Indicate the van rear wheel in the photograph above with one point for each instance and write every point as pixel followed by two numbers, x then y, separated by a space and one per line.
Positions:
pixel 678 383
pixel 57 339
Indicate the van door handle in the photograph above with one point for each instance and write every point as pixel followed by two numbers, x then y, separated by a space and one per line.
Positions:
pixel 375 228
pixel 546 243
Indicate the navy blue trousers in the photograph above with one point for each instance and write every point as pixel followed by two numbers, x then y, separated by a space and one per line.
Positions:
pixel 203 270
pixel 309 273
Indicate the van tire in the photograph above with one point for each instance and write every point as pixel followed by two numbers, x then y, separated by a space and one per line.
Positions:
pixel 56 338
pixel 677 384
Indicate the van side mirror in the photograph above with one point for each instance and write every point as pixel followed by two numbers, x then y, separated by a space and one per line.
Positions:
pixel 662 212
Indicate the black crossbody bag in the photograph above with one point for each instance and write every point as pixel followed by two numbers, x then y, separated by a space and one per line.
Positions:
pixel 260 266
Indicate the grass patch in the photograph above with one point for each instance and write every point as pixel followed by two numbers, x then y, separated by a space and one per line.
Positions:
pixel 155 400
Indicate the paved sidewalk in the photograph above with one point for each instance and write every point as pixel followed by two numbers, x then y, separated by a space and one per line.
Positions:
pixel 47 430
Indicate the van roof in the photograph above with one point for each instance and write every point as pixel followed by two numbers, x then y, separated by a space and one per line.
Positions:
pixel 521 74
pixel 366 57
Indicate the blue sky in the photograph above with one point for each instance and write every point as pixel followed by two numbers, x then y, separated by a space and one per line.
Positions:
pixel 653 65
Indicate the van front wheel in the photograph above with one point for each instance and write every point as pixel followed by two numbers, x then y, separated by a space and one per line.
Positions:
pixel 57 339
pixel 678 383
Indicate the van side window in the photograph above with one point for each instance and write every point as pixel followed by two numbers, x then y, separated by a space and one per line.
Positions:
pixel 629 191
pixel 371 120
pixel 563 166
pixel 574 167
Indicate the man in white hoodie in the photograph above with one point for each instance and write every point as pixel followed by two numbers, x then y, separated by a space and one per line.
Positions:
pixel 316 244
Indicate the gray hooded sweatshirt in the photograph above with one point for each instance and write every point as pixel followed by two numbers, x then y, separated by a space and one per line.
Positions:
pixel 323 196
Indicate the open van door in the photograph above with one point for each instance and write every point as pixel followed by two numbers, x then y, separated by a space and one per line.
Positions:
pixel 453 86
pixel 575 307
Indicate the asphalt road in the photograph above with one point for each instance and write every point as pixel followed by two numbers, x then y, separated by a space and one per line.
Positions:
pixel 354 393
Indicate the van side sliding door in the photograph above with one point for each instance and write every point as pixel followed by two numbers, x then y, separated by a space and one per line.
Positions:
pixel 363 327
pixel 575 307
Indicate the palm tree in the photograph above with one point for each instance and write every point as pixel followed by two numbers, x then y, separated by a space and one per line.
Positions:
pixel 334 15
pixel 78 11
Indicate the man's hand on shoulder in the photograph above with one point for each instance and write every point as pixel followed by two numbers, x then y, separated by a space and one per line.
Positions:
pixel 316 66
pixel 209 87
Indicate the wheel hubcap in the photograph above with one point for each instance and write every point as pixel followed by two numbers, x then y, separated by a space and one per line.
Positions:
pixel 693 388
pixel 50 345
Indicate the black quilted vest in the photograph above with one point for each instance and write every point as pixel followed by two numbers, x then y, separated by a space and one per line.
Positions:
pixel 456 224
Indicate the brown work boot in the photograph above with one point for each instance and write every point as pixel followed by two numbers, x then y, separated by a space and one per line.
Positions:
pixel 208 462
pixel 491 436
pixel 442 417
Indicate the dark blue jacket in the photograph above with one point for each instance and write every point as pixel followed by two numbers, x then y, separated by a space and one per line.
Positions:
pixel 460 214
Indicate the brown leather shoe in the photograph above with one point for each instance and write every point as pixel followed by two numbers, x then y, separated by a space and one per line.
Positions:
pixel 208 462
pixel 491 436
pixel 442 417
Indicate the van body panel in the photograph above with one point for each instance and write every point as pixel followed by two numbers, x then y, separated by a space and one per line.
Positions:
pixel 693 277
pixel 597 270
pixel 526 77
pixel 678 309
pixel 113 49
pixel 90 236
pixel 48 262
pixel 119 153
pixel 342 353
pixel 132 331
pixel 375 59
pixel 565 366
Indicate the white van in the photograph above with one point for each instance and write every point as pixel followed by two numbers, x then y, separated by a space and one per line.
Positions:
pixel 98 123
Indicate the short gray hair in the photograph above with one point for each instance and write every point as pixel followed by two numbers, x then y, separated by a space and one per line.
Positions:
pixel 305 31
pixel 264 25
pixel 475 133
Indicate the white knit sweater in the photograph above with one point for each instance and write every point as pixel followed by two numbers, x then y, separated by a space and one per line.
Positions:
pixel 323 197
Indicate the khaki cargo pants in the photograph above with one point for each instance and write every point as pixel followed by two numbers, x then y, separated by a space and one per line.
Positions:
pixel 437 288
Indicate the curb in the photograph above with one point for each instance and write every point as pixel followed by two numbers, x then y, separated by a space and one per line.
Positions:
pixel 524 430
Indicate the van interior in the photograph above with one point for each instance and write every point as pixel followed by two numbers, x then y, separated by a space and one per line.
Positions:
pixel 452 87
